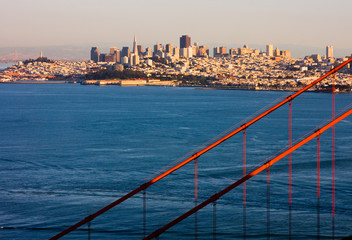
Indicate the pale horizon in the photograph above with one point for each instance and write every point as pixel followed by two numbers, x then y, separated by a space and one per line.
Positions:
pixel 306 26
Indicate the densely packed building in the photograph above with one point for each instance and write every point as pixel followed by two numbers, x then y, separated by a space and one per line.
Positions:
pixel 43 71
pixel 238 67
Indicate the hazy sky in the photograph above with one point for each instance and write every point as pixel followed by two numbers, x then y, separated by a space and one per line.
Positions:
pixel 38 23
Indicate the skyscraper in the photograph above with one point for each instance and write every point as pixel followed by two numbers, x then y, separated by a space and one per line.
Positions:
pixel 102 57
pixel 216 51
pixel 185 41
pixel 270 50
pixel 277 52
pixel 140 49
pixel 223 50
pixel 158 47
pixel 135 48
pixel 117 55
pixel 148 52
pixel 183 52
pixel 112 50
pixel 94 54
pixel 109 58
pixel 329 52
pixel 169 48
pixel 233 51
pixel 126 52
pixel 286 53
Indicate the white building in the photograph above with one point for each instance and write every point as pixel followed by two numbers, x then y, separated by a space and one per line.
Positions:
pixel 270 50
pixel 329 52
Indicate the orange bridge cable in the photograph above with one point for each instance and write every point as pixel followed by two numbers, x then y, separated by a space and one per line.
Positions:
pixel 346 108
pixel 235 126
pixel 318 187
pixel 290 171
pixel 144 213
pixel 302 136
pixel 318 167
pixel 246 125
pixel 333 158
pixel 268 203
pixel 197 154
pixel 290 155
pixel 195 197
pixel 266 165
pixel 244 186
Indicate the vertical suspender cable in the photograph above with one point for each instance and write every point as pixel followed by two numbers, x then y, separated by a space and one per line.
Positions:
pixel 88 230
pixel 144 213
pixel 333 158
pixel 214 220
pixel 318 187
pixel 268 203
pixel 196 155
pixel 244 185
pixel 195 197
pixel 253 173
pixel 290 171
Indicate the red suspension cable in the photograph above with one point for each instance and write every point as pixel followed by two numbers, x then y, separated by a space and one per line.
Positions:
pixel 249 175
pixel 196 155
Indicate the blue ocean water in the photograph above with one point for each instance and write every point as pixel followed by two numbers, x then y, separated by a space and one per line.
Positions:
pixel 68 150
pixel 5 65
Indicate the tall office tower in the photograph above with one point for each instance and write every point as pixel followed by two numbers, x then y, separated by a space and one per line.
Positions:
pixel 135 49
pixel 195 51
pixel 202 52
pixel 94 54
pixel 207 49
pixel 148 52
pixel 245 51
pixel 277 52
pixel 126 52
pixel 270 50
pixel 189 52
pixel 223 50
pixel 117 55
pixel 102 57
pixel 134 59
pixel 185 41
pixel 140 49
pixel 124 60
pixel 112 50
pixel 176 52
pixel 109 58
pixel 216 51
pixel 169 48
pixel 183 52
pixel 286 54
pixel 158 47
pixel 329 52
pixel 233 51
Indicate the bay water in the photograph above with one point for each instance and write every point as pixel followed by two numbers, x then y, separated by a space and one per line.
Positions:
pixel 3 66
pixel 68 150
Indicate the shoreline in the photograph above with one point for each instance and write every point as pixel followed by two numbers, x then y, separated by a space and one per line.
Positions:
pixel 195 87
pixel 36 82
pixel 267 89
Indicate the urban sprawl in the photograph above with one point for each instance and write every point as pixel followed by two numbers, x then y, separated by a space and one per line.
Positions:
pixel 188 65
